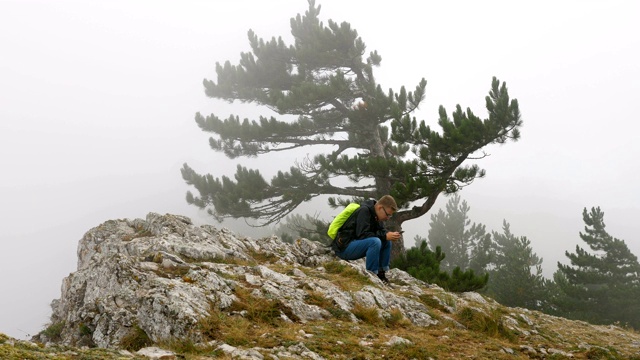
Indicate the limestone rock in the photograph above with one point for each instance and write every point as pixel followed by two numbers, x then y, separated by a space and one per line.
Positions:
pixel 157 279
pixel 162 274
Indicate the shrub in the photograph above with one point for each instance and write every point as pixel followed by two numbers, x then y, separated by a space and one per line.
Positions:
pixel 491 325
pixel 53 331
pixel 136 339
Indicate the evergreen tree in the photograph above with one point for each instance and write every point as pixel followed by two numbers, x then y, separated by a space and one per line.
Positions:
pixel 462 281
pixel 516 275
pixel 324 80
pixel 466 245
pixel 424 264
pixel 296 226
pixel 601 286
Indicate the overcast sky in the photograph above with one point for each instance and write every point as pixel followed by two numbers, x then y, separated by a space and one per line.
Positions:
pixel 97 101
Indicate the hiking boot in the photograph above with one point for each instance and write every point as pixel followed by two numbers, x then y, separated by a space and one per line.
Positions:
pixel 382 277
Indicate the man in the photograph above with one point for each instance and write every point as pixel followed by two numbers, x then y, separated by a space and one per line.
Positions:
pixel 369 238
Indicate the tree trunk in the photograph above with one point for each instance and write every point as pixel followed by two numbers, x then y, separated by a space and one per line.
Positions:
pixel 398 246
pixel 395 223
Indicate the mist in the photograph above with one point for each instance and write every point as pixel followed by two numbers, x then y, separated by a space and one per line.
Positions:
pixel 97 104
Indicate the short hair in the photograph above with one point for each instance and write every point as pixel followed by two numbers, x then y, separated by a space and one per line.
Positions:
pixel 389 202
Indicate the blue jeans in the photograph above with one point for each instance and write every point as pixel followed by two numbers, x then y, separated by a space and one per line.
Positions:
pixel 378 253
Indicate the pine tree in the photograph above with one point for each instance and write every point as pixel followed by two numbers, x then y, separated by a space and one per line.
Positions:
pixel 424 264
pixel 296 226
pixel 324 80
pixel 462 281
pixel 601 286
pixel 466 245
pixel 516 275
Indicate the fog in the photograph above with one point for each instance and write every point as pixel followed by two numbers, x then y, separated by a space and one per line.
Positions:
pixel 97 104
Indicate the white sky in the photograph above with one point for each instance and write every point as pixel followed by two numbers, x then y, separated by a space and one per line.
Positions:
pixel 97 101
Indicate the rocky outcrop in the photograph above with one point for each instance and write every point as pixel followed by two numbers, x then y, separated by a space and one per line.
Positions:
pixel 162 276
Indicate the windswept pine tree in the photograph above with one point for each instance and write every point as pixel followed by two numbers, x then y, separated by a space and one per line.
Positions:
pixel 326 82
pixel 602 285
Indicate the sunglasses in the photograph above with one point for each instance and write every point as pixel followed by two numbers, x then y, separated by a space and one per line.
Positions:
pixel 385 212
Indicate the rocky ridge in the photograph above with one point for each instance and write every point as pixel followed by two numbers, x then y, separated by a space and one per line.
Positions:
pixel 165 282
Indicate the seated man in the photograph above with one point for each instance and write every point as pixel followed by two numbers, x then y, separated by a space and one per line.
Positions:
pixel 368 237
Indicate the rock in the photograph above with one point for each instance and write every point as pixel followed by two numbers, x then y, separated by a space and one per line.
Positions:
pixel 162 274
pixel 156 353
pixel 155 280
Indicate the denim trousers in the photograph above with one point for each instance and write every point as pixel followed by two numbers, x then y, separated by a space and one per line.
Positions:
pixel 378 253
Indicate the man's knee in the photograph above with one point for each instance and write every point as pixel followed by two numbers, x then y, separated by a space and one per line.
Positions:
pixel 376 243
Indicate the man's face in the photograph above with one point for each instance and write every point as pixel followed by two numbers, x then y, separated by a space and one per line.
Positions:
pixel 384 213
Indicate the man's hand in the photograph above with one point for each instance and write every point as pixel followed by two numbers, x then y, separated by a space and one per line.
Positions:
pixel 394 235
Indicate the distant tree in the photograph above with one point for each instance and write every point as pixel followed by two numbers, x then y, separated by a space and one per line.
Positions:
pixel 482 254
pixel 424 264
pixel 601 286
pixel 326 83
pixel 296 226
pixel 466 245
pixel 516 276
pixel 462 281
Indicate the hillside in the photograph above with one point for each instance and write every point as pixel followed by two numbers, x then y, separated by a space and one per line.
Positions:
pixel 200 292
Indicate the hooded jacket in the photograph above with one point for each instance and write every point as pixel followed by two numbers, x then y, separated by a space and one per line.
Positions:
pixel 364 223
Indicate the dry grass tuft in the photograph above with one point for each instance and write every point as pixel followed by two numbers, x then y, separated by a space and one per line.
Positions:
pixel 136 339
pixel 369 315
pixel 491 325
pixel 395 319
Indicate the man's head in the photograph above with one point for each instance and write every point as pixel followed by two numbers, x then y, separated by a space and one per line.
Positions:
pixel 386 207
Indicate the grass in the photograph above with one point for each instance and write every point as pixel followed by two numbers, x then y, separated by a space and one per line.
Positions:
pixel 491 325
pixel 14 349
pixel 218 259
pixel 345 276
pixel 262 257
pixel 341 339
pixel 431 301
pixel 369 315
pixel 174 272
pixel 395 319
pixel 409 352
pixel 254 320
pixel 136 339
pixel 260 309
pixel 140 232
pixel 318 299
